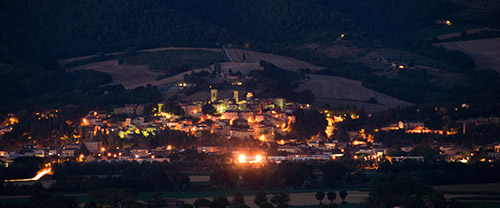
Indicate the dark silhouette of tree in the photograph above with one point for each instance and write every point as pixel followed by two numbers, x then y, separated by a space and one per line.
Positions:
pixel 219 202
pixel 331 195
pixel 343 195
pixel 266 205
pixel 208 109
pixel 320 196
pixel 280 199
pixel 156 201
pixel 260 197
pixel 202 202
pixel 237 199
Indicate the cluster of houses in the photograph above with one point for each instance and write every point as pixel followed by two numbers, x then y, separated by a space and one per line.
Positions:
pixel 237 115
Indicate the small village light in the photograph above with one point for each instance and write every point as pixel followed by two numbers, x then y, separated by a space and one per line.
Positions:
pixel 258 158
pixel 242 158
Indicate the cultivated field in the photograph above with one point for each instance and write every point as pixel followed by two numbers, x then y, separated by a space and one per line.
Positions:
pixel 243 67
pixel 300 199
pixel 458 34
pixel 135 75
pixel 280 61
pixel 485 187
pixel 485 52
pixel 342 91
pixel 132 76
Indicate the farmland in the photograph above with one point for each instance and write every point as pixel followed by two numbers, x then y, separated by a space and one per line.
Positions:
pixel 480 195
pixel 145 68
pixel 485 52
pixel 280 61
pixel 341 91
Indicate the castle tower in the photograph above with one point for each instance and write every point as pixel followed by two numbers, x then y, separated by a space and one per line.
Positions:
pixel 235 96
pixel 213 95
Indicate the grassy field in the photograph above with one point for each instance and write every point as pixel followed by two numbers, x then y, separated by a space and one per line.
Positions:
pixel 341 91
pixel 493 188
pixel 298 197
pixel 283 62
pixel 172 60
pixel 485 52
pixel 478 195
pixel 138 74
pixel 441 31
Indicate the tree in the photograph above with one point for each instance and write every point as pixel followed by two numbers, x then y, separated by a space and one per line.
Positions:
pixel 242 206
pixel 333 171
pixel 343 195
pixel 202 202
pixel 223 177
pixel 260 197
pixel 219 202
pixel 237 199
pixel 280 199
pixel 331 195
pixel 266 205
pixel 320 196
pixel 308 123
pixel 208 109
pixel 156 201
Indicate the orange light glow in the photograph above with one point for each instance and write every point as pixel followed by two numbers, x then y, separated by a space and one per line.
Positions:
pixel 40 174
pixel 85 122
pixel 169 147
pixel 242 158
pixel 258 158
pixel 103 149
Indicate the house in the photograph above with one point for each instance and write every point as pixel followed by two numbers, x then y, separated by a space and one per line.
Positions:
pixel 130 109
pixel 5 129
pixel 290 149
pixel 410 124
pixel 213 150
pixel 93 146
pixel 330 145
pixel 406 148
pixel 402 158
pixel 139 152
pixel 68 153
pixel 39 152
pixel 174 203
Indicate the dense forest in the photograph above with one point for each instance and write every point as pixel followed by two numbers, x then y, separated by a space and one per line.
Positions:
pixel 43 30
pixel 35 34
